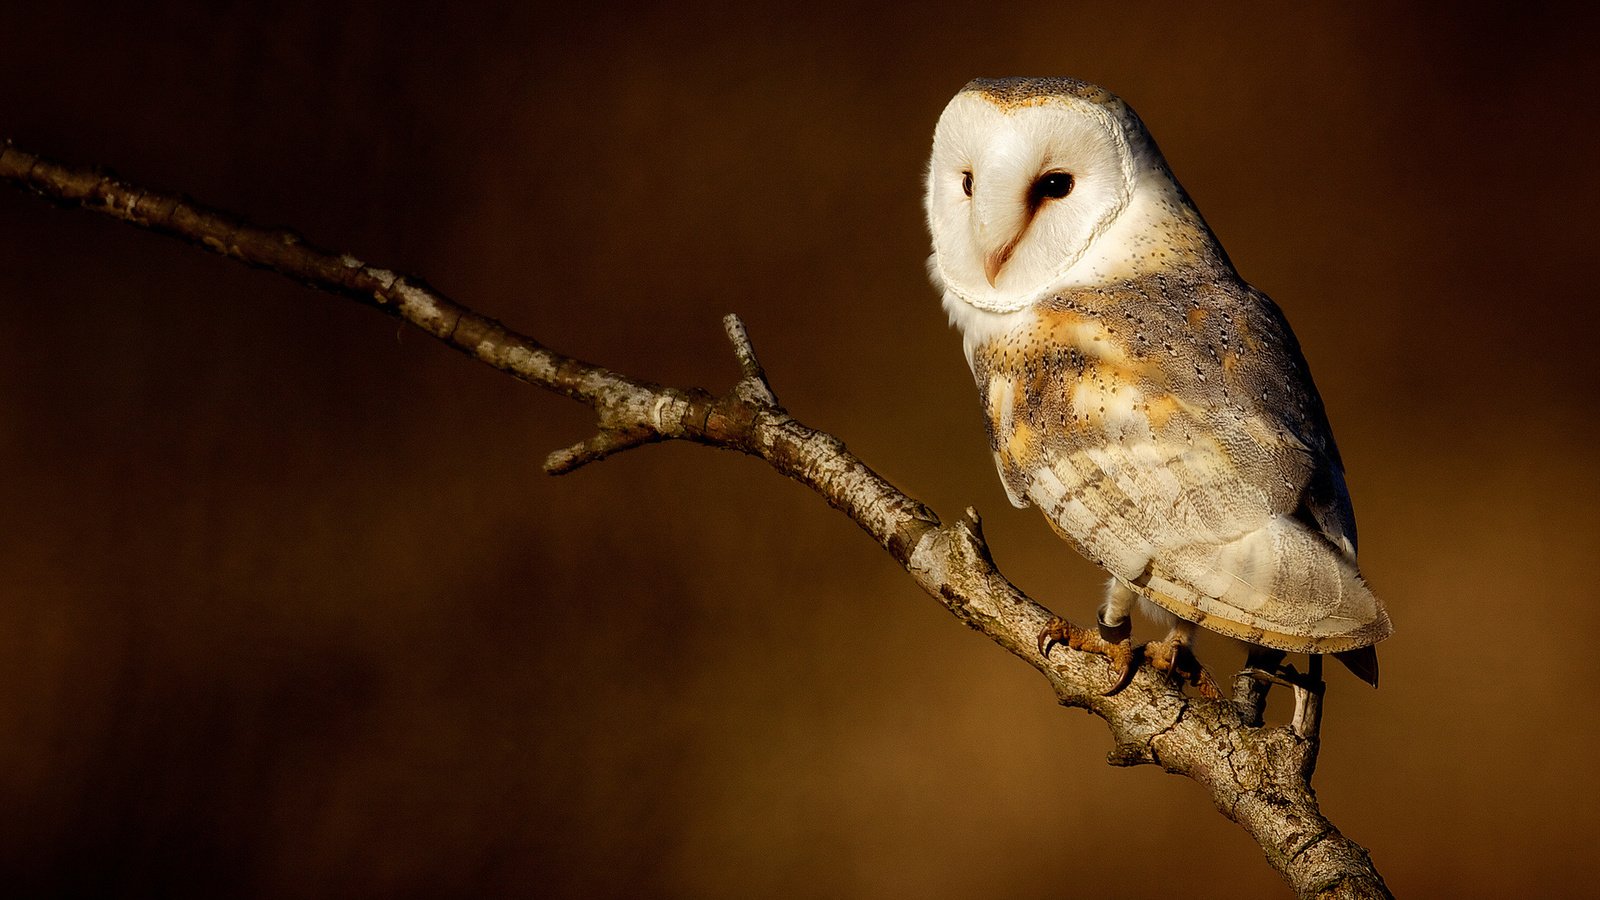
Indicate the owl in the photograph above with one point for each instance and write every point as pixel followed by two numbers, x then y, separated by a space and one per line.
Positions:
pixel 1154 406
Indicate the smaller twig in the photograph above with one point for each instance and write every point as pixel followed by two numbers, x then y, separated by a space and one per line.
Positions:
pixel 608 442
pixel 1307 721
pixel 1250 698
pixel 622 427
pixel 753 387
pixel 1250 686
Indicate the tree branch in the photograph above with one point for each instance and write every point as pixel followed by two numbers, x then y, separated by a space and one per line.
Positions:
pixel 1258 777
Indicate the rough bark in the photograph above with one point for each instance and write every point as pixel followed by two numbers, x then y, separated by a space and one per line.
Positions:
pixel 1259 777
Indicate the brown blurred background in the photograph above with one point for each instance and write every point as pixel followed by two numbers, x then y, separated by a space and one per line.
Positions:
pixel 288 609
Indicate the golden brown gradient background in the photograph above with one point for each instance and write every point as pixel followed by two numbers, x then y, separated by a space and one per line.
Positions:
pixel 289 609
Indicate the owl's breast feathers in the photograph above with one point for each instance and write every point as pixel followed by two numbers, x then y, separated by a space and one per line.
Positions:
pixel 1169 430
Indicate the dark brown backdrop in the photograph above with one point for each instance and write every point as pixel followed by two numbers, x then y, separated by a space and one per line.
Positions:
pixel 289 610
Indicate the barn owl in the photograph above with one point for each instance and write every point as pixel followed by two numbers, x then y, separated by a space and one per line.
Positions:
pixel 1154 406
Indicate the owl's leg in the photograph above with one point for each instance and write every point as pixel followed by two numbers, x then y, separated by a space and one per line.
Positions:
pixel 1174 657
pixel 1118 603
pixel 1116 631
pixel 1111 639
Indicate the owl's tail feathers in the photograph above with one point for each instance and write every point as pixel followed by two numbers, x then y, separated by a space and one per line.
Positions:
pixel 1362 661
pixel 1280 585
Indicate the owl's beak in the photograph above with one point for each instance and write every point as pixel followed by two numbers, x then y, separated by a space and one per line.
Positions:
pixel 1000 226
pixel 995 261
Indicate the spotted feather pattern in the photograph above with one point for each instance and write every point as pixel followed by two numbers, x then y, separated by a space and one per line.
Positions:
pixel 1167 426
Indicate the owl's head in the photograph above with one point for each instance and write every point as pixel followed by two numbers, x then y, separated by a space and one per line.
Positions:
pixel 1040 184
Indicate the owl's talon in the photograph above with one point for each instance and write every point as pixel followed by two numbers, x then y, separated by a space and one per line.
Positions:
pixel 1059 631
pixel 1208 687
pixel 1050 636
pixel 1174 659
pixel 1105 641
pixel 1124 661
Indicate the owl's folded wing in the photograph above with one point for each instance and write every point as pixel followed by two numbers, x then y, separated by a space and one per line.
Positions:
pixel 1223 520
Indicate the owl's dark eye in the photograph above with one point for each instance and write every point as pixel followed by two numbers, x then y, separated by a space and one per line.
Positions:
pixel 1053 186
pixel 966 183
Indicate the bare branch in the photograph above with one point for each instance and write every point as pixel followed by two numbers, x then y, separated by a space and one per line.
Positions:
pixel 1258 777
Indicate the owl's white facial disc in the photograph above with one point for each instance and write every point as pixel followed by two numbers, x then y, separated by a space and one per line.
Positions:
pixel 1020 190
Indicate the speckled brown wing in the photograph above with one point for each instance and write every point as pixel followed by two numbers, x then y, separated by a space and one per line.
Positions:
pixel 1170 431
